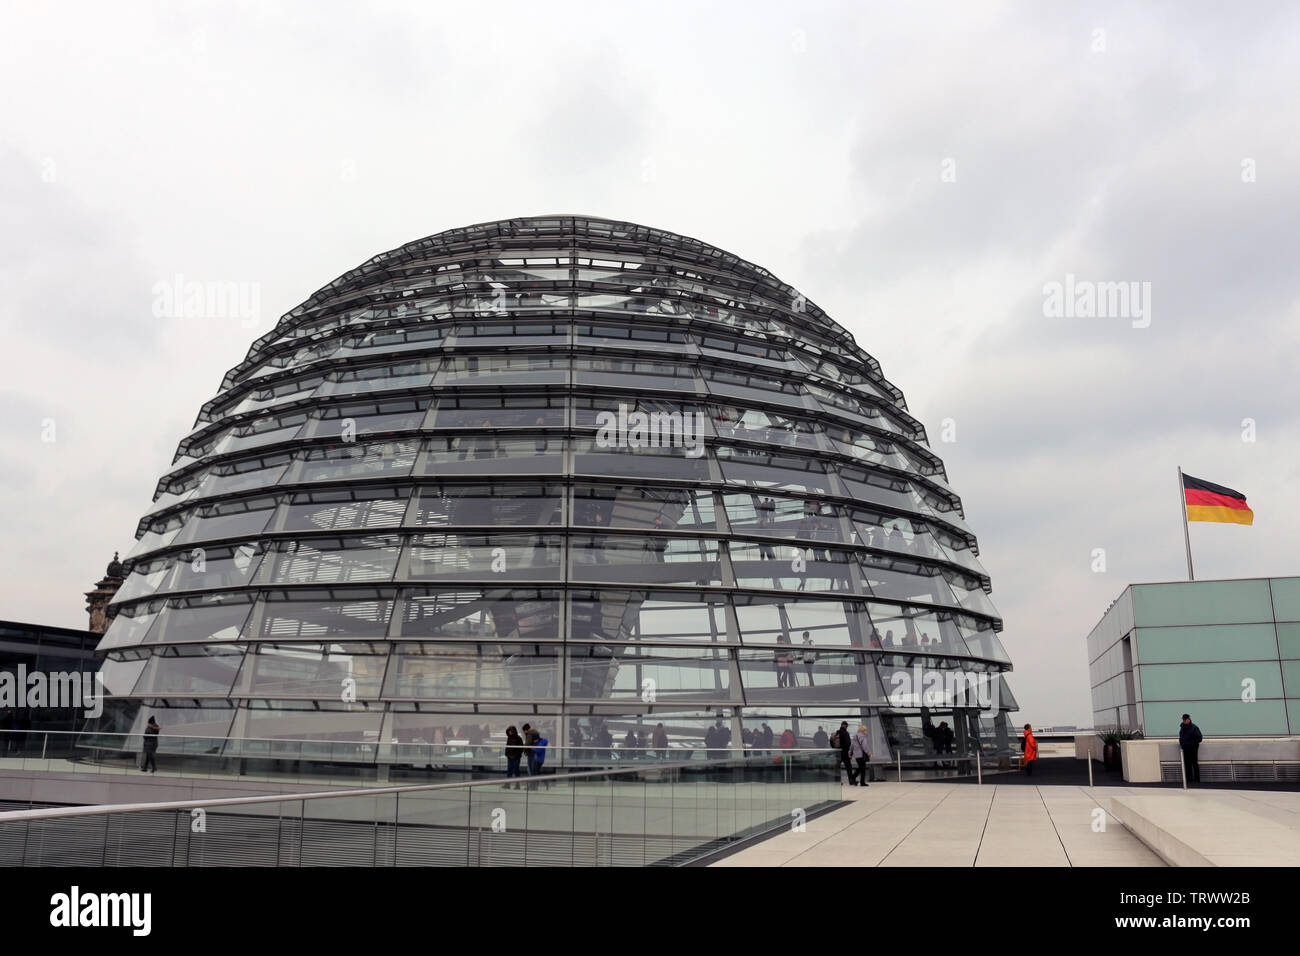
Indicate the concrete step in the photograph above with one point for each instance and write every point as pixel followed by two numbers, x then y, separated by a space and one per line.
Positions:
pixel 1192 829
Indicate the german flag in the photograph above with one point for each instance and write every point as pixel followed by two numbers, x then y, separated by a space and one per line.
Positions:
pixel 1207 501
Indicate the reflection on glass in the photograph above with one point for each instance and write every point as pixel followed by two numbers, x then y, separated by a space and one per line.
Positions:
pixel 645 559
pixel 436 670
pixel 451 557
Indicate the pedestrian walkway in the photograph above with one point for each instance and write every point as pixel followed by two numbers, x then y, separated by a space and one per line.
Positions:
pixel 951 824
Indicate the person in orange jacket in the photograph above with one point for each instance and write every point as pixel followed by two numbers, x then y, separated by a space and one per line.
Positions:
pixel 1031 750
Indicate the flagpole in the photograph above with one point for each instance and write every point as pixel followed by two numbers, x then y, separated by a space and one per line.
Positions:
pixel 1187 538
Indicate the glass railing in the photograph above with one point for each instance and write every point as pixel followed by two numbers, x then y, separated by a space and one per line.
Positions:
pixel 657 814
pixel 359 762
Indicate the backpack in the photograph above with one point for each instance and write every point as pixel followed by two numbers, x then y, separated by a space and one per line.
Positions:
pixel 835 740
pixel 539 750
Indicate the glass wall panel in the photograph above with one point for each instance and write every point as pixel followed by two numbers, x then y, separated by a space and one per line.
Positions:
pixel 312 671
pixel 144 578
pixel 129 627
pixel 783 517
pixel 312 731
pixel 209 720
pixel 494 505
pixel 493 454
pixel 217 566
pixel 786 567
pixel 365 421
pixel 769 619
pixel 228 519
pixel 185 671
pixel 157 536
pixel 602 672
pixel 241 476
pixel 516 614
pixel 916 629
pixel 387 341
pixel 637 559
pixel 807 672
pixel 852 407
pixel 358 460
pixel 970 595
pixel 904 579
pixel 417 373
pixel 453 557
pixel 347 509
pixel 902 536
pixel 590 458
pixel 507 369
pixel 648 616
pixel 491 412
pixel 748 466
pixel 260 432
pixel 120 674
pixel 364 559
pixel 769 427
pixel 613 334
pixel 640 508
pixel 634 373
pixel 517 334
pixel 480 671
pixel 308 614
pixel 212 619
pixel 753 386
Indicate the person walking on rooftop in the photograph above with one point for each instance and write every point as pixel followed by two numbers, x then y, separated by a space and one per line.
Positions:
pixel 660 740
pixel 1189 741
pixel 844 744
pixel 1031 750
pixel 859 750
pixel 151 731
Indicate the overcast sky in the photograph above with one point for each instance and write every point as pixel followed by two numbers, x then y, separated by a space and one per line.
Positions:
pixel 921 172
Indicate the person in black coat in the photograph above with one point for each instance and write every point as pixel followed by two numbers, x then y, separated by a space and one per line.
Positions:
pixel 1189 740
pixel 151 730
pixel 844 741
pixel 514 752
pixel 943 738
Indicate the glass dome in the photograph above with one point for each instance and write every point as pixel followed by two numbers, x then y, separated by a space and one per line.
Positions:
pixel 561 469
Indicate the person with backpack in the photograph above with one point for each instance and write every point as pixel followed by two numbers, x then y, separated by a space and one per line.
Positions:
pixel 859 750
pixel 843 743
pixel 540 744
